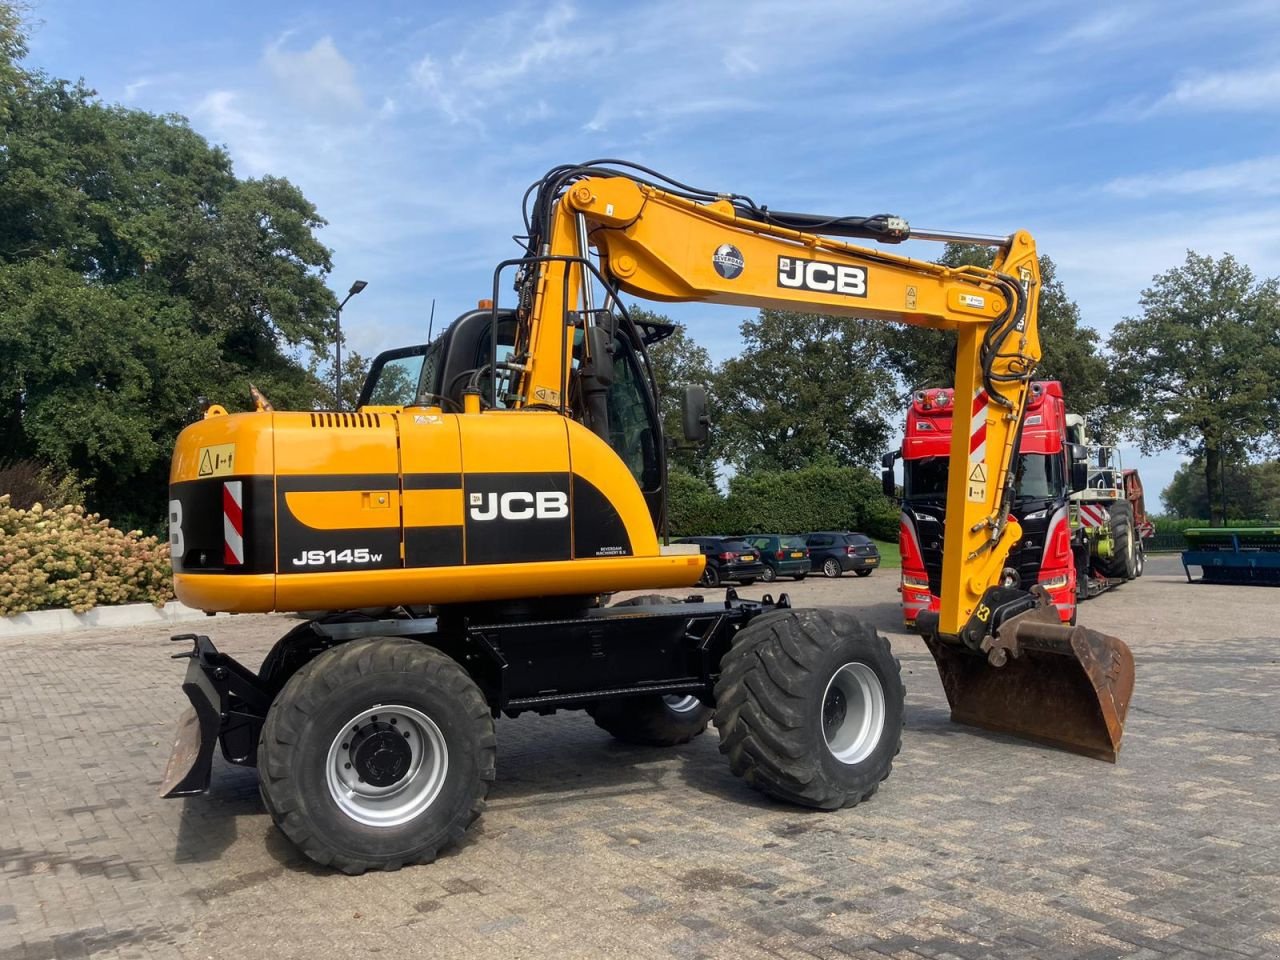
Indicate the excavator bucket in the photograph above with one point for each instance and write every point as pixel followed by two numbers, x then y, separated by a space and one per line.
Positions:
pixel 1061 685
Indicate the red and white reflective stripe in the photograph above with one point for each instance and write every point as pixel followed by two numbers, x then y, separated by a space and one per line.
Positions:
pixel 978 429
pixel 1094 514
pixel 232 522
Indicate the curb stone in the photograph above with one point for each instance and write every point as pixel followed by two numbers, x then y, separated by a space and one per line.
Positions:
pixel 125 615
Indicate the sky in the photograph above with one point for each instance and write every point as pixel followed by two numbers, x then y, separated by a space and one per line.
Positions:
pixel 1121 135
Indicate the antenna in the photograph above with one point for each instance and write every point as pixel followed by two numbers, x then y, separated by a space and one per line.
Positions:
pixel 431 321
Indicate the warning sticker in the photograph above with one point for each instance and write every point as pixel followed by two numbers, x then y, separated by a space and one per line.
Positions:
pixel 977 492
pixel 217 461
pixel 978 474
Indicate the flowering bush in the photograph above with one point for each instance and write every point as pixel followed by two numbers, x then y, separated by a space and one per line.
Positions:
pixel 65 557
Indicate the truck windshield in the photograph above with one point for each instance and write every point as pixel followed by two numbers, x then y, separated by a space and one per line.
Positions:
pixel 1039 476
pixel 925 479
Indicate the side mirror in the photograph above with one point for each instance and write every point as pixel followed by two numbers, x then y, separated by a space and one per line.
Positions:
pixel 886 475
pixel 1079 455
pixel 693 414
pixel 600 348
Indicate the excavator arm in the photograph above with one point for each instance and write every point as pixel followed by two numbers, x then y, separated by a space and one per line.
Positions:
pixel 1006 662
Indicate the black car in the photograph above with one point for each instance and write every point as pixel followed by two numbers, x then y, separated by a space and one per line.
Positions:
pixel 834 552
pixel 782 556
pixel 728 559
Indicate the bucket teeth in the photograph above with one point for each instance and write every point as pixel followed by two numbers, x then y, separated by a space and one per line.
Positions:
pixel 1065 686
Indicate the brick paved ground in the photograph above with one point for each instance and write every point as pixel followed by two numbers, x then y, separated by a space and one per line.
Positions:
pixel 978 846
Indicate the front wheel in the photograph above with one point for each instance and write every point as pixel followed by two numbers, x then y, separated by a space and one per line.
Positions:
pixel 376 754
pixel 810 707
pixel 831 568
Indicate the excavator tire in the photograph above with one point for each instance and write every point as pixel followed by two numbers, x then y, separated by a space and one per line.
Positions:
pixel 1123 563
pixel 810 707
pixel 376 754
pixel 653 720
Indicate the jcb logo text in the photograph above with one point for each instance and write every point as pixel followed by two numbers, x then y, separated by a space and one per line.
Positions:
pixel 822 277
pixel 520 505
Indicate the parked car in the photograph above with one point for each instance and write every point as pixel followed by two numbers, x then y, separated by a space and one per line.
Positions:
pixel 834 552
pixel 728 558
pixel 782 556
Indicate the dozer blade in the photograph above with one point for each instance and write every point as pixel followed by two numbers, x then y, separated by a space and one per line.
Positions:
pixel 1065 686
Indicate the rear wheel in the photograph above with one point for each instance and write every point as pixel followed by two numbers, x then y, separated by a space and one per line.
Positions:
pixel 652 720
pixel 769 574
pixel 831 568
pixel 863 573
pixel 376 754
pixel 710 576
pixel 810 707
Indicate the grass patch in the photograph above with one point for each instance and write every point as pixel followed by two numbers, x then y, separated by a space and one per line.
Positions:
pixel 890 556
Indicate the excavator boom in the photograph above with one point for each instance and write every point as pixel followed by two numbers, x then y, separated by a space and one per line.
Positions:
pixel 1004 660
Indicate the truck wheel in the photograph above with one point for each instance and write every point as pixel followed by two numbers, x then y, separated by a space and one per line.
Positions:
pixel 377 753
pixel 1139 560
pixel 810 707
pixel 831 568
pixel 652 720
pixel 1122 564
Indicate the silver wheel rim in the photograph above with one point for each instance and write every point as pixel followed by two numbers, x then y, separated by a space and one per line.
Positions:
pixel 853 713
pixel 768 576
pixel 682 703
pixel 404 782
pixel 831 568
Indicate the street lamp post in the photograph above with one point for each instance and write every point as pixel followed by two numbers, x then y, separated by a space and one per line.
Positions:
pixel 337 345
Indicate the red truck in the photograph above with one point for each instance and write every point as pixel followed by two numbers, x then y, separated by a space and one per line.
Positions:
pixel 1041 505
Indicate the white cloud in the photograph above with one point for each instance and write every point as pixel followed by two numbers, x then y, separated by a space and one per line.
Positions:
pixel 319 79
pixel 1256 177
pixel 1255 89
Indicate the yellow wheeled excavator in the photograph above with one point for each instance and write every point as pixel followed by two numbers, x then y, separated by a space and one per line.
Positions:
pixel 455 536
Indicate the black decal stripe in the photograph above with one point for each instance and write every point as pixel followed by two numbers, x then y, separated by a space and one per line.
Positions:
pixel 598 530
pixel 433 547
pixel 202 529
pixel 515 541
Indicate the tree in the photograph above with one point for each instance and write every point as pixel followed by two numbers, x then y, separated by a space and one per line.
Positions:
pixel 137 273
pixel 1197 371
pixel 1251 491
pixel 807 389
pixel 925 358
pixel 679 362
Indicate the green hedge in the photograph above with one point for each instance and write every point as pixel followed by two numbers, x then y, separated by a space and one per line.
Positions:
pixel 793 501
pixel 68 558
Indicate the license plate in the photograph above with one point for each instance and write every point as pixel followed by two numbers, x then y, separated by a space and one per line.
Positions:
pixel 872 562
pixel 796 555
pixel 748 558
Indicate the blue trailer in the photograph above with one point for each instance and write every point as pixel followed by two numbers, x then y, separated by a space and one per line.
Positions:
pixel 1233 554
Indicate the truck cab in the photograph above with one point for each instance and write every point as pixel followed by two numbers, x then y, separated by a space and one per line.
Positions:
pixel 1043 555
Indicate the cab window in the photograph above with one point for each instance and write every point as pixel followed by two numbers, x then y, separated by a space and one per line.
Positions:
pixel 631 432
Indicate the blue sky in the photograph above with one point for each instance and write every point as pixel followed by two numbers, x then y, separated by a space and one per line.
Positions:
pixel 1118 134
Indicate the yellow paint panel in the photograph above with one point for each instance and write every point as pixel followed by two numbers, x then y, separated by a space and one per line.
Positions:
pixel 500 441
pixel 433 508
pixel 345 509
pixel 249 434
pixel 594 461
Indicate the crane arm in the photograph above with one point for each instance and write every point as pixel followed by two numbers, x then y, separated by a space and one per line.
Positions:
pixel 660 245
